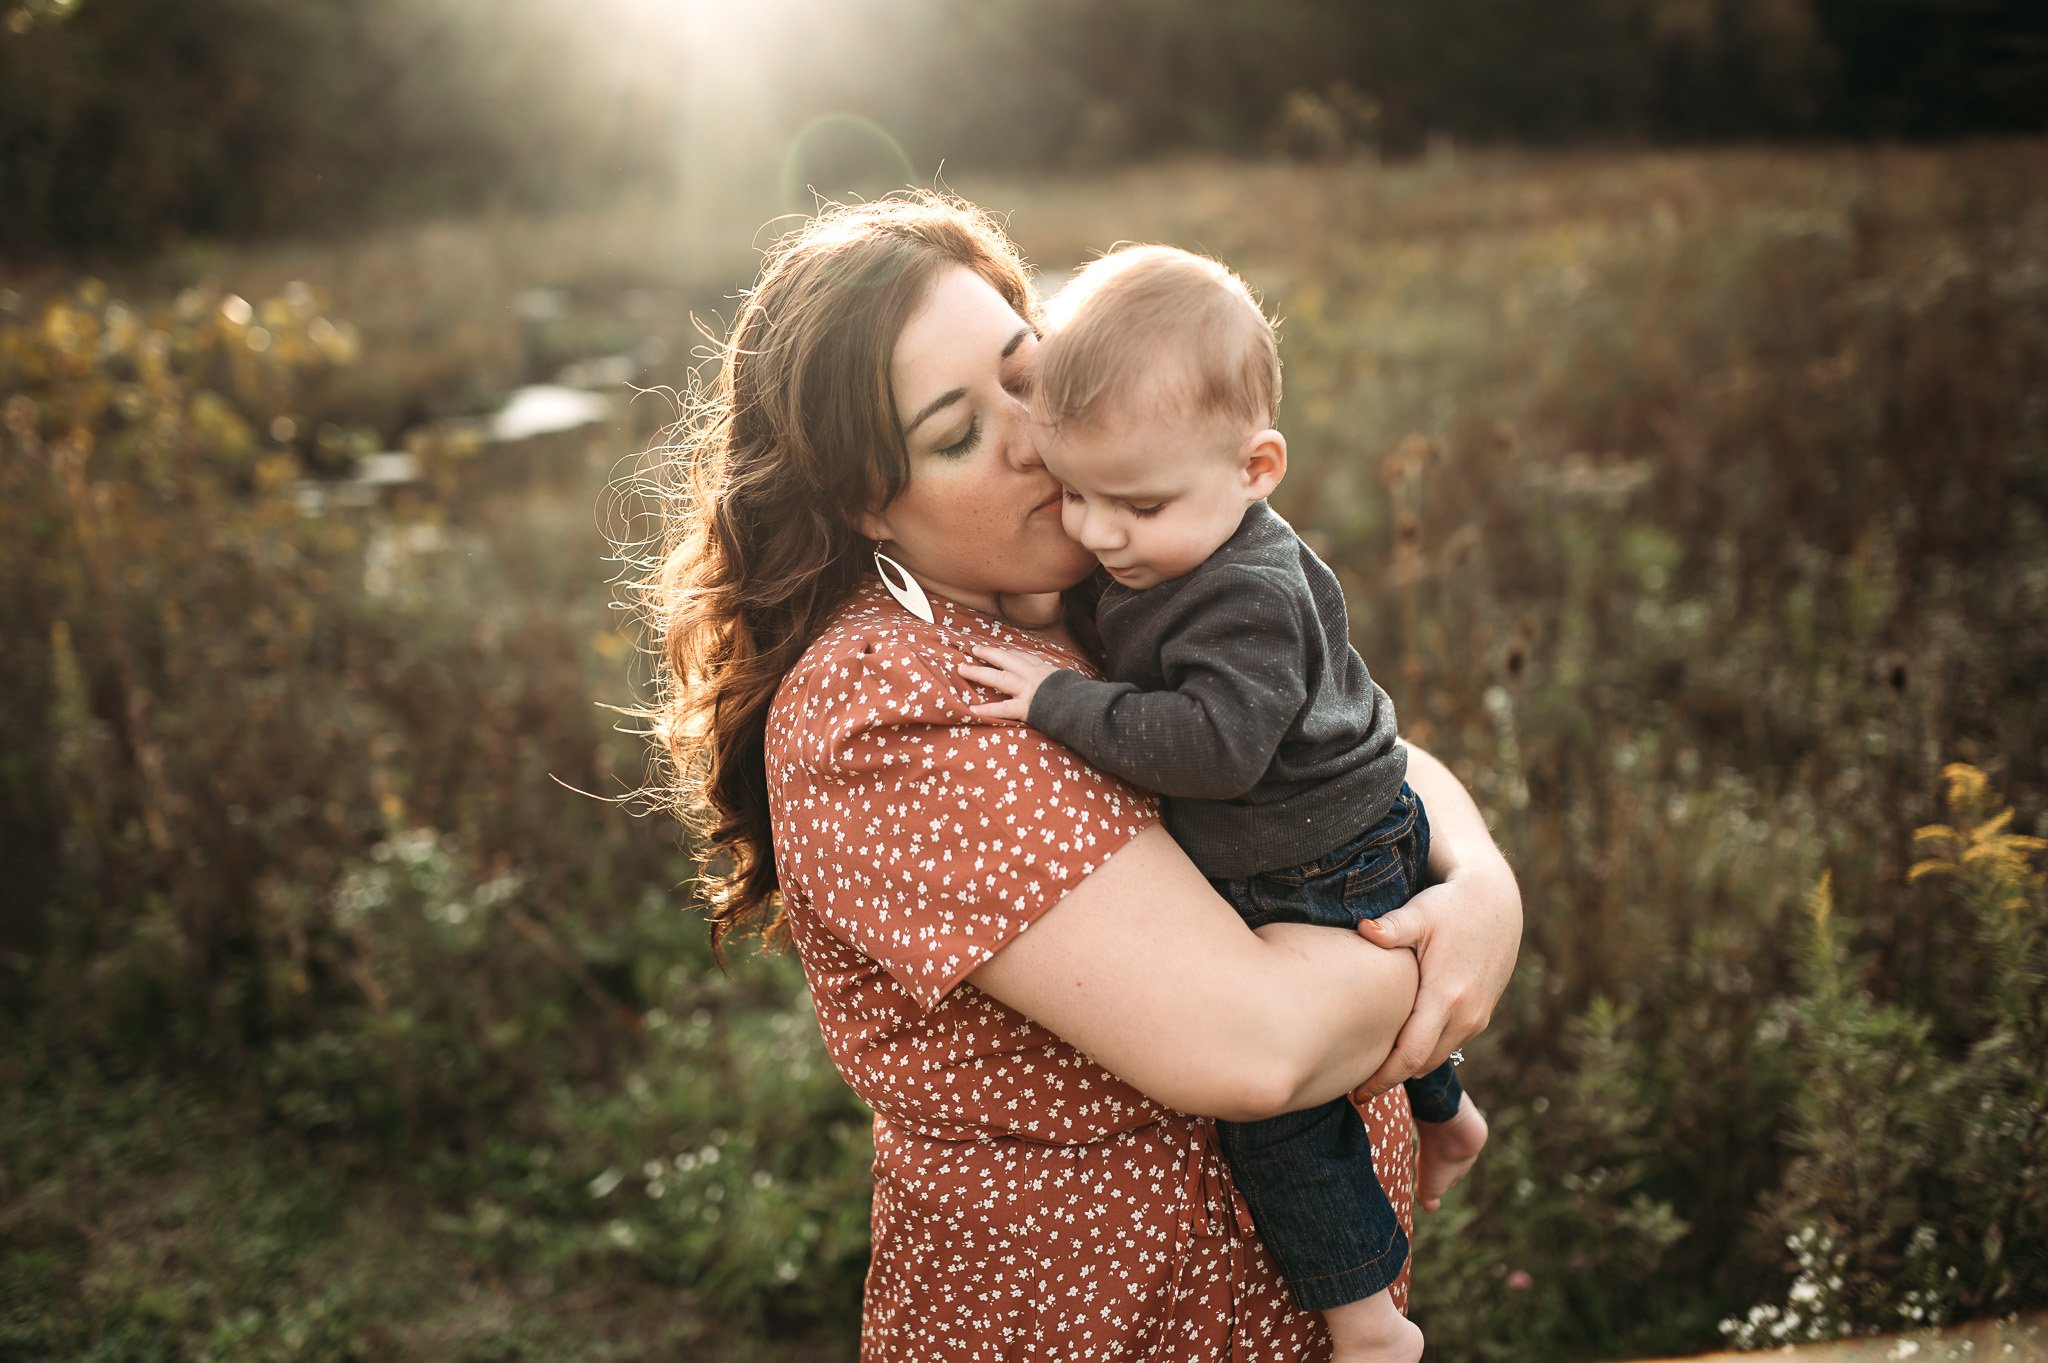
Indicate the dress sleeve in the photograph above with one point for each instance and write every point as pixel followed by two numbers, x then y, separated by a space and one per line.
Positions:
pixel 926 838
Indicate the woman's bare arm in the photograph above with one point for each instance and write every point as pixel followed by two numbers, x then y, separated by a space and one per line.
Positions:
pixel 1146 969
pixel 1465 931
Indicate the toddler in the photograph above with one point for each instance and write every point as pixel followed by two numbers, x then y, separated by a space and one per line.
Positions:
pixel 1235 693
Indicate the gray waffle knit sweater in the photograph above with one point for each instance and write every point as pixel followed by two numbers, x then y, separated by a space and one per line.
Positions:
pixel 1234 691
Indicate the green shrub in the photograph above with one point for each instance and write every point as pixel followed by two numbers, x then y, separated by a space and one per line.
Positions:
pixel 1920 1191
pixel 1642 1181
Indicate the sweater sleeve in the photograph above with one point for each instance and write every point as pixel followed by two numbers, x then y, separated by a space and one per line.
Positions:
pixel 1235 666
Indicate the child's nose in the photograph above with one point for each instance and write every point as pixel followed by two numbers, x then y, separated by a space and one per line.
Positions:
pixel 1098 532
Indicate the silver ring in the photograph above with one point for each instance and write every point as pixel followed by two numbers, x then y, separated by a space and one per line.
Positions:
pixel 1457 1059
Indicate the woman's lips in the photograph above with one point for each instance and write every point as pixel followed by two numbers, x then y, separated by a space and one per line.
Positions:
pixel 1051 501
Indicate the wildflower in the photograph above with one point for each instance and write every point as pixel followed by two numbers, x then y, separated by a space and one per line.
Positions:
pixel 1980 847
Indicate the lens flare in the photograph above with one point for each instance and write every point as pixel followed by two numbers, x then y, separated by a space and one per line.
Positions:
pixel 842 155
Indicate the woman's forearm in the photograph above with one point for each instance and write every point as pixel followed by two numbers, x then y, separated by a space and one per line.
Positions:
pixel 1459 841
pixel 1345 1003
pixel 1465 931
pixel 1143 967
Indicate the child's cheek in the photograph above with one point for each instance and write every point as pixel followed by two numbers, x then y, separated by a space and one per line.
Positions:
pixel 1070 519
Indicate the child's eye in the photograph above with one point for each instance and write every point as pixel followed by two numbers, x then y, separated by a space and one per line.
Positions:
pixel 965 443
pixel 1068 494
pixel 1141 512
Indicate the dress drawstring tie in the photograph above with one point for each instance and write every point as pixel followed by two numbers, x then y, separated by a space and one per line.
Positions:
pixel 1210 1209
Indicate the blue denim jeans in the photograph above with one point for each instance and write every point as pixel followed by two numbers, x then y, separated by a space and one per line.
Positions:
pixel 1308 1176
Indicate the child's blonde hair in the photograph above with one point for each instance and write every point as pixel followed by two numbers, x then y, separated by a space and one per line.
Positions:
pixel 1155 330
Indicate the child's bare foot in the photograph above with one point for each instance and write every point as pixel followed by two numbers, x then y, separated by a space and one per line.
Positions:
pixel 1372 1331
pixel 1448 1150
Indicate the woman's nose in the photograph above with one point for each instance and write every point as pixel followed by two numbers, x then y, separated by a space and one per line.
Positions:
pixel 1023 450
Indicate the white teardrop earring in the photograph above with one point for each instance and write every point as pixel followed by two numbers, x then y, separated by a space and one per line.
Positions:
pixel 903 586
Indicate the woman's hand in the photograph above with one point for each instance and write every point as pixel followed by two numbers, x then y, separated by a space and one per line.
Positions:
pixel 1465 931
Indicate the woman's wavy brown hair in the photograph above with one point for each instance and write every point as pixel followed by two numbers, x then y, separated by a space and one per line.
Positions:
pixel 763 485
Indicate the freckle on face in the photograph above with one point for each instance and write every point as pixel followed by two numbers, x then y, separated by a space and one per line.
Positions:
pixel 971 526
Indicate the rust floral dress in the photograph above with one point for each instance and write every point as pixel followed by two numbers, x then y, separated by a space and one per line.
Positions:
pixel 1028 1204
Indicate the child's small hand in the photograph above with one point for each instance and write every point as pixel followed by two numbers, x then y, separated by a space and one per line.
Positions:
pixel 1015 674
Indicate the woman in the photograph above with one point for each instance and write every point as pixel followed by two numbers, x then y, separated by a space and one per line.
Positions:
pixel 1046 1182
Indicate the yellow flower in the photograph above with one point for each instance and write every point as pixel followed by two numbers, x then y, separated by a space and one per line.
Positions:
pixel 1989 856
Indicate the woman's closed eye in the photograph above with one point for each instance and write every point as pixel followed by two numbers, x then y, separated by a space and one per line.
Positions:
pixel 1018 387
pixel 966 443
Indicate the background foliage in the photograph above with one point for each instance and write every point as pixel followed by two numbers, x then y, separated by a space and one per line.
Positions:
pixel 127 122
pixel 1691 506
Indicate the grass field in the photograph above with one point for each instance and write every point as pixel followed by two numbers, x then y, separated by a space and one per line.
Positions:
pixel 1692 506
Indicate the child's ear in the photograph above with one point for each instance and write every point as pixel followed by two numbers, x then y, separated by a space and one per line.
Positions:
pixel 1265 462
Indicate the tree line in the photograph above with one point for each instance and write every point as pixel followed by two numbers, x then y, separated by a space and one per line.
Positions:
pixel 124 123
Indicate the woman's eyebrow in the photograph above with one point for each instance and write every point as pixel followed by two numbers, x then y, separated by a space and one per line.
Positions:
pixel 947 399
pixel 943 400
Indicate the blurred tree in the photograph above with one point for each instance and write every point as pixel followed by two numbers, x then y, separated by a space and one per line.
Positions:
pixel 125 121
pixel 132 115
pixel 135 120
pixel 1937 68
